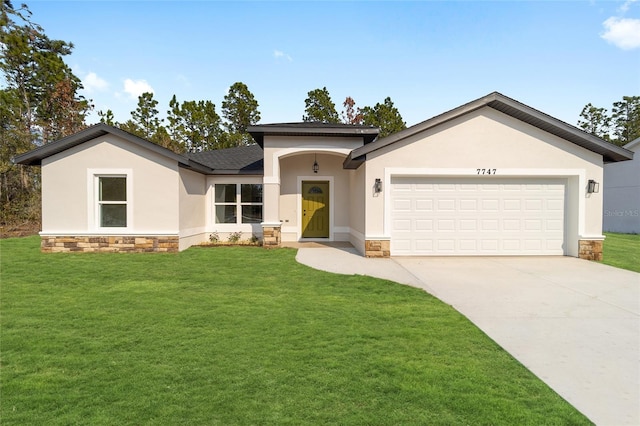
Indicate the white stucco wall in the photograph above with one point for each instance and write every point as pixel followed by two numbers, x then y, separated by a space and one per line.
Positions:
pixel 298 168
pixel 225 229
pixel 489 139
pixel 288 161
pixel 68 206
pixel 192 199
pixel 357 204
pixel 621 191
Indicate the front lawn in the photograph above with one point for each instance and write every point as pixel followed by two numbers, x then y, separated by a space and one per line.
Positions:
pixel 243 335
pixel 622 251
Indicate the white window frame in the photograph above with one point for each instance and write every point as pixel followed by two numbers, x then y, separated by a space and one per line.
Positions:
pixel 94 203
pixel 238 203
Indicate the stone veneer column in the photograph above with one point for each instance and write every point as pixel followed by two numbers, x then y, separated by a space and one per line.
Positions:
pixel 377 248
pixel 590 249
pixel 271 235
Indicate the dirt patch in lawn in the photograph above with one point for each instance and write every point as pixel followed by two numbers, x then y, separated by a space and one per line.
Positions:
pixel 14 230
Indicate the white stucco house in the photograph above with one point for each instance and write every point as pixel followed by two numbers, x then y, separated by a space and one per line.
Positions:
pixel 622 193
pixel 491 177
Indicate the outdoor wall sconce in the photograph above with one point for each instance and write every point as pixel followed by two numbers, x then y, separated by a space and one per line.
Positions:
pixel 315 165
pixel 593 186
pixel 377 187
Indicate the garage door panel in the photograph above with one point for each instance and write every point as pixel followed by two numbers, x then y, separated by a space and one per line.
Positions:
pixel 554 225
pixel 490 205
pixel 532 225
pixel 403 245
pixel 426 205
pixel 468 205
pixel 422 187
pixel 424 245
pixel 445 225
pixel 511 245
pixel 461 216
pixel 468 245
pixel 468 225
pixel 511 224
pixel 555 204
pixel 447 205
pixel 402 225
pixel 489 224
pixel 423 225
pixel 401 204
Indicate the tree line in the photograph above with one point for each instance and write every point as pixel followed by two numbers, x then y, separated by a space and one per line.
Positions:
pixel 620 126
pixel 193 126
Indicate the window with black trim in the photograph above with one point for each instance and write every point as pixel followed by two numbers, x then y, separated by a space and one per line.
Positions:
pixel 112 201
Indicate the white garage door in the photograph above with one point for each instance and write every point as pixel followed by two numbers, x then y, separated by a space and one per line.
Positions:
pixel 477 216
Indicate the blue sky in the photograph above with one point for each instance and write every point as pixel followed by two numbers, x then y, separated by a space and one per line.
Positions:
pixel 427 56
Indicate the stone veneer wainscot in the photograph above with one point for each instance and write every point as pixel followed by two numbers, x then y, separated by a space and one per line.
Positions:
pixel 54 244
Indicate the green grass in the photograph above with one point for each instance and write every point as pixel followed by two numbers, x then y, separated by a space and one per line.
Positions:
pixel 622 251
pixel 243 335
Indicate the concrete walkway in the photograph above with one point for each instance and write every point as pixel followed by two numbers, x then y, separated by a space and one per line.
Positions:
pixel 573 323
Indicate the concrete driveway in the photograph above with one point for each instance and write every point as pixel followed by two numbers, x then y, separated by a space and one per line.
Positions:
pixel 573 323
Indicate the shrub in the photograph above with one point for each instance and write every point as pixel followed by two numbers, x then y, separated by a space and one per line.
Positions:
pixel 234 237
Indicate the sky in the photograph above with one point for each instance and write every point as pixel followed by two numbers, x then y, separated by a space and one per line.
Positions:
pixel 427 56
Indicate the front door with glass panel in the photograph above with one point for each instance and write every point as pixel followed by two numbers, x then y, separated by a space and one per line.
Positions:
pixel 315 209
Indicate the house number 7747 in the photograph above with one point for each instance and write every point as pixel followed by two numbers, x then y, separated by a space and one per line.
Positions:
pixel 486 171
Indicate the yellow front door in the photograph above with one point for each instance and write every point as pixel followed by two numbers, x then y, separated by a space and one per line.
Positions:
pixel 315 209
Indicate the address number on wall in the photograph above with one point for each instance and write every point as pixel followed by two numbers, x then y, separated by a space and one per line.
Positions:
pixel 486 171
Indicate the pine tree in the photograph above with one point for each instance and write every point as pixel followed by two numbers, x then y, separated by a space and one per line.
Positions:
pixel 319 107
pixel 240 110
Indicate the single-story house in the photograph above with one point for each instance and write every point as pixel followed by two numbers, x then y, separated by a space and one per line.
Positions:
pixel 622 193
pixel 491 177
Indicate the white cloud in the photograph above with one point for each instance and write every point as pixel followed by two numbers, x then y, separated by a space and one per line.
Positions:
pixel 625 7
pixel 135 88
pixel 280 54
pixel 93 83
pixel 622 32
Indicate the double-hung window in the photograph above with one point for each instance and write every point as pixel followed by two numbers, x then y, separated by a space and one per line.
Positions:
pixel 112 201
pixel 238 203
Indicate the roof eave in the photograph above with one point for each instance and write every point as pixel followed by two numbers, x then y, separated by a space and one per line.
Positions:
pixel 195 166
pixel 237 172
pixel 515 109
pixel 559 128
pixel 352 163
pixel 258 132
pixel 35 156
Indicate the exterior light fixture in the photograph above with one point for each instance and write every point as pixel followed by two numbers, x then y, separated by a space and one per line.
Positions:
pixel 377 187
pixel 315 164
pixel 593 186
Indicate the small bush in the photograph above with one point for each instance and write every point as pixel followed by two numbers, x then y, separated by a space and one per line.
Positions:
pixel 234 237
pixel 214 237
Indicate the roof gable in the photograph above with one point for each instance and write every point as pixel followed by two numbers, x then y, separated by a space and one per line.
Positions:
pixel 35 157
pixel 511 108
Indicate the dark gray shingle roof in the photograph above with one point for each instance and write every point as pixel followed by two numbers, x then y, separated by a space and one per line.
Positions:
pixel 239 160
